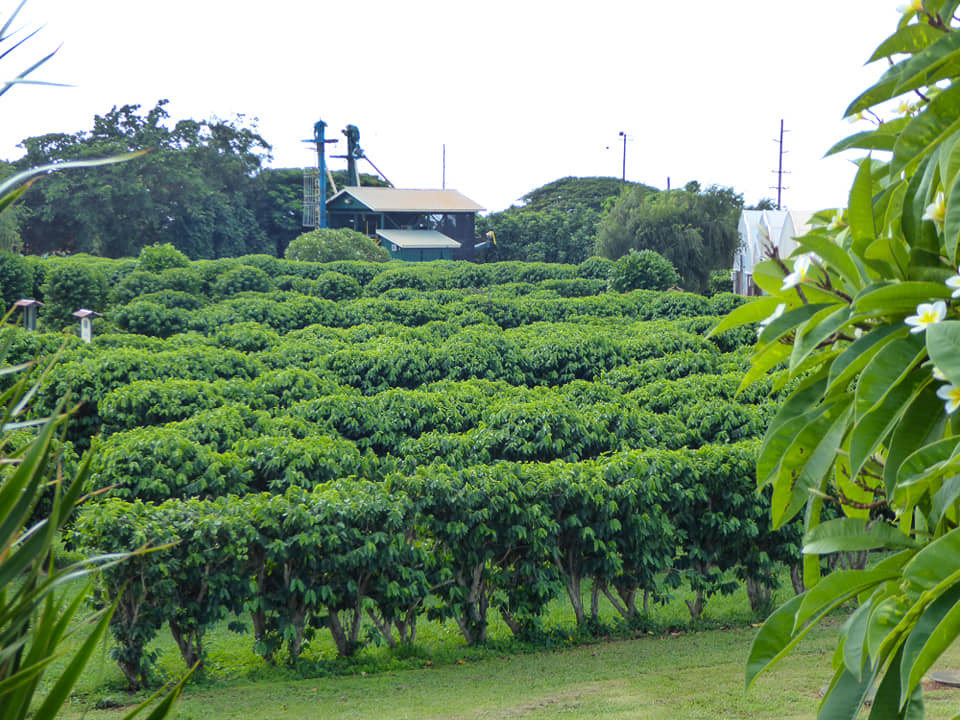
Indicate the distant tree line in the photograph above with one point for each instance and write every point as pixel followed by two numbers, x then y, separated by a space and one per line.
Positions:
pixel 571 219
pixel 204 187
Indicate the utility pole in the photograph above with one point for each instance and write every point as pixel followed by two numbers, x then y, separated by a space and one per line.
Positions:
pixel 780 171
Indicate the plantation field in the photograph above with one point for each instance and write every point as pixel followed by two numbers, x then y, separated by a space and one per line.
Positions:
pixel 330 458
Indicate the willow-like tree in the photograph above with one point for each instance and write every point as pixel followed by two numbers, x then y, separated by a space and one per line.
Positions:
pixel 695 229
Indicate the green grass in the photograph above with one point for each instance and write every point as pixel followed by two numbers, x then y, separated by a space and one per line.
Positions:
pixel 682 670
pixel 693 675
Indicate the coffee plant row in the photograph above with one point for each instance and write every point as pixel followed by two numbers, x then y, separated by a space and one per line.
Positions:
pixel 356 446
pixel 441 542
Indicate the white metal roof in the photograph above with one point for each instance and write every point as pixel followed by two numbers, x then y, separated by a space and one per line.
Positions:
pixel 758 228
pixel 418 239
pixel 385 199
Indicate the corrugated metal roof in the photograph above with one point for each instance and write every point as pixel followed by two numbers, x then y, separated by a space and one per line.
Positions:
pixel 382 199
pixel 418 239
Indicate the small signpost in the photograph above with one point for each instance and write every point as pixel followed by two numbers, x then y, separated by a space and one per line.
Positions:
pixel 29 312
pixel 86 328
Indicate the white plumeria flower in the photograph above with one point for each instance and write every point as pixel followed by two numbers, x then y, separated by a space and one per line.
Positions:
pixel 927 314
pixel 906 108
pixel 938 374
pixel 936 211
pixel 837 222
pixel 766 321
pixel 911 8
pixel 951 395
pixel 954 284
pixel 801 271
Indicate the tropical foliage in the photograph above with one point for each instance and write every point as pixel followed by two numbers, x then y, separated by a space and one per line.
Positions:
pixel 865 448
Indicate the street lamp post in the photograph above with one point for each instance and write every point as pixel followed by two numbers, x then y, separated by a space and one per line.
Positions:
pixel 623 176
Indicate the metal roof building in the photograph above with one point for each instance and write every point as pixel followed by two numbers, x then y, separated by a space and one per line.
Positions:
pixel 409 221
pixel 758 230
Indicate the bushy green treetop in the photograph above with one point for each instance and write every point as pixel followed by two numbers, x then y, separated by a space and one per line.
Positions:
pixel 328 245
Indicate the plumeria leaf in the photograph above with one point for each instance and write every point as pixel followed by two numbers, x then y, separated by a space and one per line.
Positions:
pixel 935 563
pixel 932 460
pixel 25 175
pixel 942 341
pixel 749 312
pixel 911 212
pixel 845 695
pixel 762 361
pixel 939 119
pixel 873 427
pixel 908 39
pixel 853 535
pixel 854 635
pixel 951 221
pixel 944 505
pixel 768 275
pixel 838 587
pixel 775 639
pixel 790 418
pixel 808 459
pixel 859 353
pixel 860 210
pixel 922 422
pixel 790 320
pixel 836 257
pixel 879 92
pixel 934 633
pixel 818 330
pixel 880 138
pixel 887 703
pixel 899 297
pixel 950 161
pixel 867 140
pixel 921 69
pixel 886 370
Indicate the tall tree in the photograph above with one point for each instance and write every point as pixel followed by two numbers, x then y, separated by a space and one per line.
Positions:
pixel 540 236
pixel 194 189
pixel 569 193
pixel 694 228
pixel 557 222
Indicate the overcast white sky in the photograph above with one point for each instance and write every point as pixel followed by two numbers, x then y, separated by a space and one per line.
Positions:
pixel 521 92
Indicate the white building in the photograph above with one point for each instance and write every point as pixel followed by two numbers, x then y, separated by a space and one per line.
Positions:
pixel 760 230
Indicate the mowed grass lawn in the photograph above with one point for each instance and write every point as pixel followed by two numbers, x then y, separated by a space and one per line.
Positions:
pixel 689 675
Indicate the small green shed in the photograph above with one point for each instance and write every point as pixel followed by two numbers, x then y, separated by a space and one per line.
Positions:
pixel 418 245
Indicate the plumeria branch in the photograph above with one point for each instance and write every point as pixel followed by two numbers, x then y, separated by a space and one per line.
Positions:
pixel 842 499
pixel 773 253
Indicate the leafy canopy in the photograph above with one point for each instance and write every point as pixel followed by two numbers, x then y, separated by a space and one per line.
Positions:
pixel 195 188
